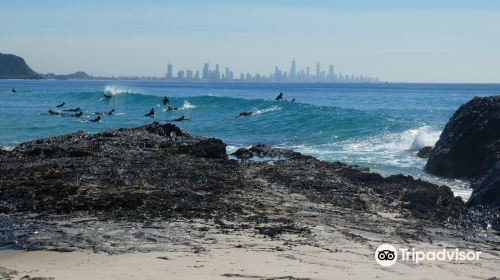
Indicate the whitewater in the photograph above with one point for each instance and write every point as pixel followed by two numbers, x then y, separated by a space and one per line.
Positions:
pixel 379 126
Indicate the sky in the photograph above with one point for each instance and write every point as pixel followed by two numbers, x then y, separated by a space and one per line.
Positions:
pixel 394 40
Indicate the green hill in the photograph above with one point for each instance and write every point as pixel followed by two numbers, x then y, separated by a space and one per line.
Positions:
pixel 14 67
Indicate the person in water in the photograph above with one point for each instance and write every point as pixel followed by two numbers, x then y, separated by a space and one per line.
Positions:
pixel 293 100
pixel 245 114
pixel 54 113
pixel 105 113
pixel 181 119
pixel 61 105
pixel 79 114
pixel 73 110
pixel 14 90
pixel 98 119
pixel 166 101
pixel 107 95
pixel 170 108
pixel 151 113
pixel 279 97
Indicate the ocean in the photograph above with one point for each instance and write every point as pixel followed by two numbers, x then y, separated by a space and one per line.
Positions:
pixel 379 126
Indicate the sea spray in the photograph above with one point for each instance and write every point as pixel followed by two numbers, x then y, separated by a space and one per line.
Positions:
pixel 187 106
pixel 115 90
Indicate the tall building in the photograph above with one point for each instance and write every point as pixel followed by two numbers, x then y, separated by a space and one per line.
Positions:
pixel 217 72
pixel 293 72
pixel 331 73
pixel 318 72
pixel 205 72
pixel 278 76
pixel 170 74
pixel 189 74
pixel 180 75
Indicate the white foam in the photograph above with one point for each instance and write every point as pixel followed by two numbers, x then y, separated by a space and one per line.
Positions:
pixel 271 109
pixel 408 140
pixel 187 106
pixel 115 90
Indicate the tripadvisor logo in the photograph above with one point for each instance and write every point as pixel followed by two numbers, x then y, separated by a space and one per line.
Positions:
pixel 387 255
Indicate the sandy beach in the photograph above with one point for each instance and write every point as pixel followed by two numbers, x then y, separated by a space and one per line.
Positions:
pixel 239 257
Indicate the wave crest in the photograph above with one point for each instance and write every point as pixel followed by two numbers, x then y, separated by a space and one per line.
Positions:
pixel 114 90
pixel 187 106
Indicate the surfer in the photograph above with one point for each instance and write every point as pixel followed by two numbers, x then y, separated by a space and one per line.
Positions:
pixel 73 110
pixel 279 97
pixel 98 119
pixel 14 90
pixel 293 100
pixel 166 101
pixel 107 95
pixel 54 113
pixel 105 113
pixel 79 114
pixel 151 113
pixel 170 108
pixel 61 105
pixel 245 114
pixel 181 119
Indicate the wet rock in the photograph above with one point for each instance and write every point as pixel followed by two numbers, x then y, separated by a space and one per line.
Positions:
pixel 469 147
pixel 159 172
pixel 487 189
pixel 262 150
pixel 470 142
pixel 425 152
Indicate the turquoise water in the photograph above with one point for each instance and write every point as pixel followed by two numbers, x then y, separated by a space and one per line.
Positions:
pixel 380 126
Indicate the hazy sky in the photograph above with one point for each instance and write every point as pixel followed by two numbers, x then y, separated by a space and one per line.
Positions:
pixel 395 40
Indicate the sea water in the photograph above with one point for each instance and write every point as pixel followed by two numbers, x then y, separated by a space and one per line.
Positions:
pixel 380 126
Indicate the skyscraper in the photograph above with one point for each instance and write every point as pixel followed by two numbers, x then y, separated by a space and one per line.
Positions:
pixel 293 72
pixel 318 72
pixel 180 75
pixel 170 73
pixel 205 72
pixel 217 72
pixel 331 73
pixel 277 74
pixel 189 74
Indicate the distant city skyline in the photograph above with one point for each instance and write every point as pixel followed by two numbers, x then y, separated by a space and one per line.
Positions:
pixel 395 40
pixel 215 74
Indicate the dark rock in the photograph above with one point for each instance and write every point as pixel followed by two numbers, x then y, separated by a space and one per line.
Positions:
pixel 470 143
pixel 469 147
pixel 160 171
pixel 262 150
pixel 487 189
pixel 425 152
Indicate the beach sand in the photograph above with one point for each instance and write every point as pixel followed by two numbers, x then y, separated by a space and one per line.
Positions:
pixel 240 257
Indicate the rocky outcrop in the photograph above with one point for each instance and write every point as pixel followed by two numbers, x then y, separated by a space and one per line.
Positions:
pixel 470 143
pixel 159 171
pixel 486 191
pixel 263 150
pixel 469 147
pixel 425 152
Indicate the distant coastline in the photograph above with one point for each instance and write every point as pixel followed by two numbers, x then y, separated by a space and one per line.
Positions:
pixel 15 67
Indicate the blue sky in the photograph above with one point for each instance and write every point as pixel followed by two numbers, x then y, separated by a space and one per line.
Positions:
pixel 408 41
